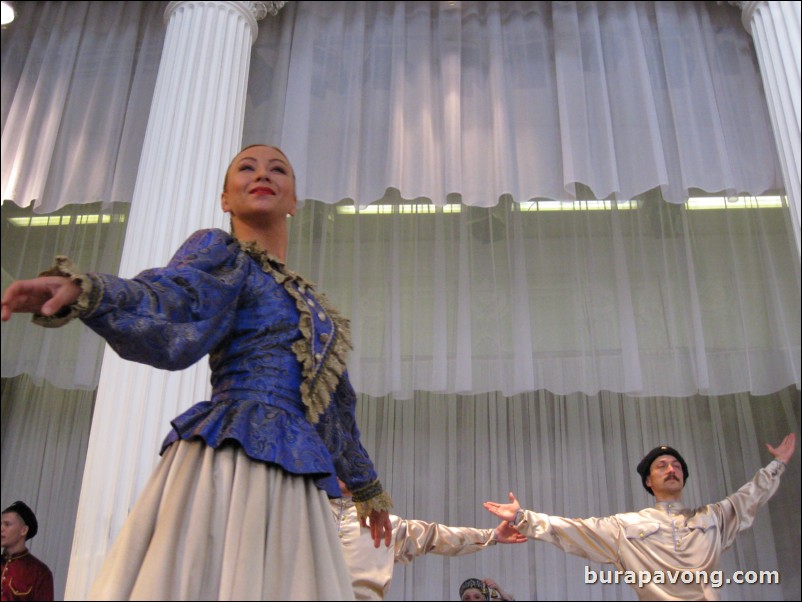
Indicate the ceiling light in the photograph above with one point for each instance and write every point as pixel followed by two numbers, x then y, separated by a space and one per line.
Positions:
pixel 8 13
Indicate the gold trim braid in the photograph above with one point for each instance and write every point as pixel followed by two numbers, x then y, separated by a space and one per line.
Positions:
pixel 371 497
pixel 321 372
pixel 321 378
pixel 89 297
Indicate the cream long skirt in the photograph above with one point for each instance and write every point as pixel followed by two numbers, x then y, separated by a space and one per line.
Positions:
pixel 215 525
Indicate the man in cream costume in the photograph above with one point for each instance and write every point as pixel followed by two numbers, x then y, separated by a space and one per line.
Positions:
pixel 665 540
pixel 371 567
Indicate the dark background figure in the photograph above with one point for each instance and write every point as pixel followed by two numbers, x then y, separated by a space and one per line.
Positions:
pixel 25 577
pixel 474 589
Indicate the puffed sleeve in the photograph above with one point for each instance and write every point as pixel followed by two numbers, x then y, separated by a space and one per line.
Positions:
pixel 593 538
pixel 171 317
pixel 338 429
pixel 737 512
pixel 413 538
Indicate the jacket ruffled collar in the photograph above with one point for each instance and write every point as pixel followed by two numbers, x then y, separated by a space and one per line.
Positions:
pixel 321 372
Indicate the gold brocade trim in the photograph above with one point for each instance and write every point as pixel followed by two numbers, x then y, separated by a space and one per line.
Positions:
pixel 371 497
pixel 19 593
pixel 383 501
pixel 320 376
pixel 87 299
pixel 364 493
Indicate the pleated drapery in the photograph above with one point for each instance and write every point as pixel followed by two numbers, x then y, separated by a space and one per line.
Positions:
pixel 530 99
pixel 78 78
pixel 647 299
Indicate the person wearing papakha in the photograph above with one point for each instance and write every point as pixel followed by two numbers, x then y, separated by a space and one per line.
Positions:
pixel 665 539
pixel 24 576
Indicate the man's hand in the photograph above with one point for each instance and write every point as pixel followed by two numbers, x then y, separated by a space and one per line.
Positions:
pixel 785 450
pixel 506 533
pixel 504 511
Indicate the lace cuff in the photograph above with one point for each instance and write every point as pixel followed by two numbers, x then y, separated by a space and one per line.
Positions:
pixel 371 497
pixel 87 301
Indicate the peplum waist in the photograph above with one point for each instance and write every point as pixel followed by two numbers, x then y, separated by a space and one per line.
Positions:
pixel 267 428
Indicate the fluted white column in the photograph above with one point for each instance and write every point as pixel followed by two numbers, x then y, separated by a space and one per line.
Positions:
pixel 194 129
pixel 775 28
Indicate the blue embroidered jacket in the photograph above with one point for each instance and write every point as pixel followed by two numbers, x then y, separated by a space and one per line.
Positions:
pixel 276 349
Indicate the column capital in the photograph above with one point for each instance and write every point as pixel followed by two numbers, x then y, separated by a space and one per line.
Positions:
pixel 252 11
pixel 747 8
pixel 262 9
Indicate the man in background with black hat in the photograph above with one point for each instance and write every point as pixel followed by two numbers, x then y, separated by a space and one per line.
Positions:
pixel 668 551
pixel 25 577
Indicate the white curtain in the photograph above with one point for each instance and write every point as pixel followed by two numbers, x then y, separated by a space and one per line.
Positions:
pixel 92 236
pixel 530 99
pixel 45 432
pixel 77 83
pixel 441 456
pixel 656 299
pixel 494 104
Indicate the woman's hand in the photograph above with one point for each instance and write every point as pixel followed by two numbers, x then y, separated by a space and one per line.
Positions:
pixel 380 527
pixel 45 295
pixel 506 533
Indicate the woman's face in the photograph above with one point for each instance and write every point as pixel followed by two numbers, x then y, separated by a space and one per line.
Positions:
pixel 259 183
pixel 472 594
